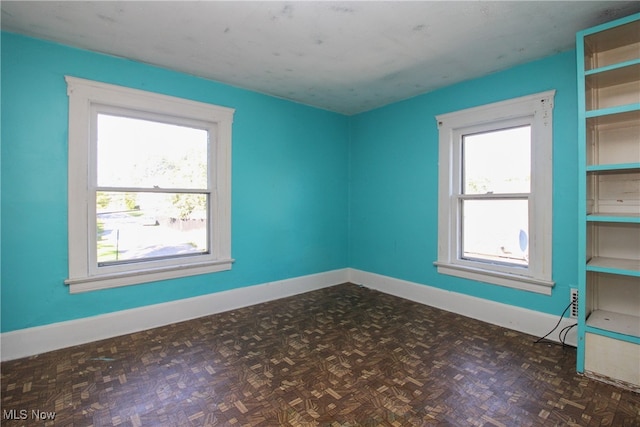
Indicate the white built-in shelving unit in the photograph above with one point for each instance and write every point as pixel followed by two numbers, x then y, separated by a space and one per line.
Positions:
pixel 609 244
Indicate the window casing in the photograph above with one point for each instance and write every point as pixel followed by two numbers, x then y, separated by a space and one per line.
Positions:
pixel 469 237
pixel 92 106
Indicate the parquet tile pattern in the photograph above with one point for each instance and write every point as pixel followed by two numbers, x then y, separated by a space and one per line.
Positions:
pixel 339 357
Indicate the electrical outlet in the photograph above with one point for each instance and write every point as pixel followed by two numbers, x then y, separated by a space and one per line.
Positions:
pixel 573 310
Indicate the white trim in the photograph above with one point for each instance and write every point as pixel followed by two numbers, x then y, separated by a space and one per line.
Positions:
pixel 86 99
pixel 508 316
pixel 114 280
pixel 112 95
pixel 515 281
pixel 515 107
pixel 40 339
pixel 537 111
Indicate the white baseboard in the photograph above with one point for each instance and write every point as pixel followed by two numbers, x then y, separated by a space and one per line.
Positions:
pixel 40 339
pixel 508 316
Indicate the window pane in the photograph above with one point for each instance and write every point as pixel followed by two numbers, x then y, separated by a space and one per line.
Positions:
pixel 496 231
pixel 497 161
pixel 147 154
pixel 142 226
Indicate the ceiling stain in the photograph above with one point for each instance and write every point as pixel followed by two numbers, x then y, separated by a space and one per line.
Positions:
pixel 285 12
pixel 342 9
pixel 107 18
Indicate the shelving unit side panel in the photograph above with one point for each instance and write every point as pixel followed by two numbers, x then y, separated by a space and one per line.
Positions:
pixel 583 248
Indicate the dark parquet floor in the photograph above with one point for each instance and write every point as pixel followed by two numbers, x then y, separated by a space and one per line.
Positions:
pixel 342 356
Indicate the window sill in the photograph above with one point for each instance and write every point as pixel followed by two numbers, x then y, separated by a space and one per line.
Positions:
pixel 106 281
pixel 515 281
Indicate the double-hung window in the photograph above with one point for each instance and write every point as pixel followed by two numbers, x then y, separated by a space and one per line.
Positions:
pixel 495 193
pixel 149 186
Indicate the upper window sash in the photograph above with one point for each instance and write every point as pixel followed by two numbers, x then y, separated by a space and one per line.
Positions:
pixel 208 126
pixel 458 152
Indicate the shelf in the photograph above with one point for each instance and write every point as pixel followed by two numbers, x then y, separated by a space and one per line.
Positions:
pixel 625 118
pixel 621 109
pixel 620 167
pixel 613 67
pixel 614 217
pixel 627 267
pixel 613 75
pixel 609 321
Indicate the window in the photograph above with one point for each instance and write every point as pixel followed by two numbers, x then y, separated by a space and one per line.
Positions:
pixel 495 193
pixel 149 186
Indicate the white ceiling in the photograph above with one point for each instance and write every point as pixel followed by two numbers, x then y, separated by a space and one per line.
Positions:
pixel 346 57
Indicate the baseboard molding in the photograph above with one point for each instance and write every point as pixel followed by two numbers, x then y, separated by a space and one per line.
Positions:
pixel 508 316
pixel 40 339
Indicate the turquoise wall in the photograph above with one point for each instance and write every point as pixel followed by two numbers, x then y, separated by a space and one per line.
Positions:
pixel 312 190
pixel 290 188
pixel 394 182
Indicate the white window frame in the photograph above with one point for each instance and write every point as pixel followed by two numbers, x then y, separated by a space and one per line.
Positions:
pixel 88 98
pixel 535 110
